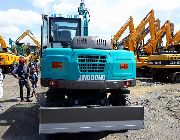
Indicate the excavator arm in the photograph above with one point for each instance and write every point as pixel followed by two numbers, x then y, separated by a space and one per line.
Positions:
pixel 137 31
pixel 146 31
pixel 34 40
pixel 141 36
pixel 129 23
pixel 166 28
pixel 176 39
pixel 3 43
pixel 31 36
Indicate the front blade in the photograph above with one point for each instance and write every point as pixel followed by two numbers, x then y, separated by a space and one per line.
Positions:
pixel 94 119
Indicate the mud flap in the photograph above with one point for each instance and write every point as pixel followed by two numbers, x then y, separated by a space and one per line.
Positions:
pixel 93 119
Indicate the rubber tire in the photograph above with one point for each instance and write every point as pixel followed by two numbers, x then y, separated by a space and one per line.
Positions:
pixel 118 99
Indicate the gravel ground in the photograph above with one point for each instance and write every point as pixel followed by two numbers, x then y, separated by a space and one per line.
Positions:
pixel 19 121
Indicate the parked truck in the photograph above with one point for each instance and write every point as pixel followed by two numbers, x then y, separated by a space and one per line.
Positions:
pixel 87 79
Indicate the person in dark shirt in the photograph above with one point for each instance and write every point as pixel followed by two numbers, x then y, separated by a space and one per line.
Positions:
pixel 33 77
pixel 21 72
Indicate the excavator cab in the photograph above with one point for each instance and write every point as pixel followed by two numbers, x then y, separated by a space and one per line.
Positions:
pixel 174 48
pixel 62 30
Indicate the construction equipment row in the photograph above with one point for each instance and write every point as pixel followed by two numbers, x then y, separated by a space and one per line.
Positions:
pixel 152 58
pixel 9 55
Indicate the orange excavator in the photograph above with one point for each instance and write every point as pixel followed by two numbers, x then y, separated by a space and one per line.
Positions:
pixel 144 33
pixel 176 39
pixel 129 23
pixel 134 40
pixel 141 36
pixel 165 62
pixel 165 29
pixel 137 31
pixel 137 35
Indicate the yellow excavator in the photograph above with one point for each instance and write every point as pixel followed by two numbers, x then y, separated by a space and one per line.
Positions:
pixel 165 62
pixel 31 36
pixel 137 31
pixel 140 39
pixel 32 55
pixel 164 30
pixel 129 23
pixel 176 39
pixel 6 57
pixel 136 37
pixel 133 40
pixel 142 56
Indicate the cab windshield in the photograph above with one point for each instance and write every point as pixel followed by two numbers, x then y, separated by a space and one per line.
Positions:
pixel 63 30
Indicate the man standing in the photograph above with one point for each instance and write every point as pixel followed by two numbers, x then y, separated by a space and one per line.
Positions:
pixel 36 64
pixel 22 72
pixel 33 78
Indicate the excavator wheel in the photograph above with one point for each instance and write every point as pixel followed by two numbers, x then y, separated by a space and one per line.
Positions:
pixel 9 70
pixel 117 99
pixel 175 77
pixel 54 98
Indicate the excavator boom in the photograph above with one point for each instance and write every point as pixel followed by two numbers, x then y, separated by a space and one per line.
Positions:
pixel 31 36
pixel 129 23
pixel 141 36
pixel 137 31
pixel 3 43
pixel 36 42
pixel 176 39
pixel 167 29
pixel 151 48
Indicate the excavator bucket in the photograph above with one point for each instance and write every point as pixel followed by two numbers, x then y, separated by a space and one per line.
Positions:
pixel 90 119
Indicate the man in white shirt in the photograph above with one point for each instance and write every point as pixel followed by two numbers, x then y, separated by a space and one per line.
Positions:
pixel 1 85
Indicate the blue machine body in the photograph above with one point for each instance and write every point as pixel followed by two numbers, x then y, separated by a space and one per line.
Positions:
pixel 72 69
pixel 88 80
pixel 65 41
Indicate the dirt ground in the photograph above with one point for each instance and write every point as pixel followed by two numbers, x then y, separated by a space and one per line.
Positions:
pixel 19 120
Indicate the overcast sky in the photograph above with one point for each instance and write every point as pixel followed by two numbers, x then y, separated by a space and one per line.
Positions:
pixel 107 16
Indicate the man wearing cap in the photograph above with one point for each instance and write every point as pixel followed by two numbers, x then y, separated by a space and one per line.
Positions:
pixel 22 72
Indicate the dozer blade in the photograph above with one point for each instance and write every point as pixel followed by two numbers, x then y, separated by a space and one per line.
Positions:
pixel 94 119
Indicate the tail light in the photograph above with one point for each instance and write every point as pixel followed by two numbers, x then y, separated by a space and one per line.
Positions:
pixel 123 66
pixel 127 83
pixel 57 65
pixel 53 83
